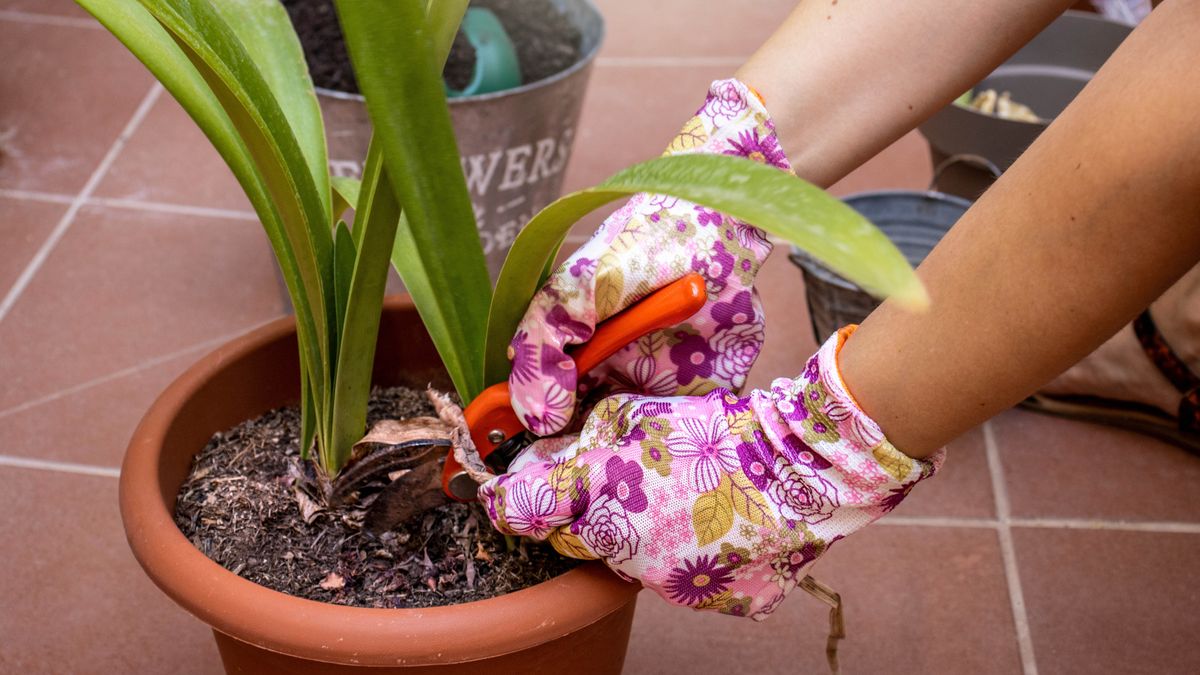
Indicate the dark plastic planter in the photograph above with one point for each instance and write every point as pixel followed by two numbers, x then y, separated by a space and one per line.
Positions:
pixel 1045 74
pixel 581 618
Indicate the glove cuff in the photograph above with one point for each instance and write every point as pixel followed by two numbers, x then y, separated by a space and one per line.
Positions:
pixel 852 422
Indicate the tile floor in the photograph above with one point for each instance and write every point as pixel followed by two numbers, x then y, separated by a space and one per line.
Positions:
pixel 126 252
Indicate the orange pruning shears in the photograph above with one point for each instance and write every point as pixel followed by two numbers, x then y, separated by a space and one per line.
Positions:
pixel 495 428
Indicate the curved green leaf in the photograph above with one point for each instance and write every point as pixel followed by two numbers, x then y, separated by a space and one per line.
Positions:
pixel 218 54
pixel 438 253
pixel 264 29
pixel 345 254
pixel 221 58
pixel 443 18
pixel 146 38
pixel 345 193
pixel 777 202
pixel 376 216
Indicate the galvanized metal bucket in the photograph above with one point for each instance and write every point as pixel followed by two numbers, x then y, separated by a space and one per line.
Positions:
pixel 1046 74
pixel 914 221
pixel 514 144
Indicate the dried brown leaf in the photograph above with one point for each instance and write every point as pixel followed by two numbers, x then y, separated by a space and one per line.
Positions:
pixel 391 445
pixel 465 451
pixel 399 432
pixel 481 553
pixel 414 492
pixel 470 573
pixel 309 508
pixel 333 581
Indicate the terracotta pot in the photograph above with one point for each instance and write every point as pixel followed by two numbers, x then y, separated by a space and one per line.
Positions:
pixel 578 621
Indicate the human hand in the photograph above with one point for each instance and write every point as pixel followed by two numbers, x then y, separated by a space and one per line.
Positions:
pixel 715 502
pixel 651 241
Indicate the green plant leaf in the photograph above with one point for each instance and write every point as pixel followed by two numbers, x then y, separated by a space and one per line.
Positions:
pixel 344 255
pixel 345 193
pixel 154 46
pixel 377 214
pixel 180 54
pixel 266 32
pixel 437 249
pixel 219 56
pixel 308 420
pixel 443 18
pixel 777 202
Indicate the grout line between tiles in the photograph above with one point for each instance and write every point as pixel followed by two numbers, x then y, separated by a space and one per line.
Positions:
pixel 118 374
pixel 133 204
pixel 68 217
pixel 1119 525
pixel 181 209
pixel 48 19
pixel 1161 527
pixel 1008 552
pixel 59 467
pixel 33 196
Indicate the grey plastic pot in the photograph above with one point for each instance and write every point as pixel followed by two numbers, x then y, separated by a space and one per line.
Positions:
pixel 1045 74
pixel 514 143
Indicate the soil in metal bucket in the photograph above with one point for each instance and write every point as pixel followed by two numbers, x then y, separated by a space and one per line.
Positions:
pixel 546 41
pixel 244 505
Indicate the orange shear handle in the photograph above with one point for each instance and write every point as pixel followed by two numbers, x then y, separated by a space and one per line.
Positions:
pixel 491 417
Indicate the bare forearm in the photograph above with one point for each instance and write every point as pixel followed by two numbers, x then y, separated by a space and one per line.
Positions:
pixel 845 78
pixel 1090 225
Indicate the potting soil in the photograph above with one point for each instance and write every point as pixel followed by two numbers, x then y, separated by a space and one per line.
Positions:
pixel 248 505
pixel 546 42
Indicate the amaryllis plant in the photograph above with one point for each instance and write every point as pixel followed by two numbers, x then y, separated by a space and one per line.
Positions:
pixel 237 68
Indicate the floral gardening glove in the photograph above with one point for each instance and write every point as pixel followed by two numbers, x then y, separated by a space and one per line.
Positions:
pixel 648 243
pixel 715 502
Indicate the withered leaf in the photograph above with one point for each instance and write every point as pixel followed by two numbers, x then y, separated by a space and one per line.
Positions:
pixel 465 451
pixel 333 581
pixel 309 508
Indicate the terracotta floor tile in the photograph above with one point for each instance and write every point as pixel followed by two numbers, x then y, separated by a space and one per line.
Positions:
pixel 687 28
pixel 170 160
pixel 67 94
pixel 622 123
pixel 918 600
pixel 1057 468
pixel 92 425
pixel 50 7
pixel 24 226
pixel 962 488
pixel 1111 602
pixel 125 286
pixel 75 601
pixel 903 165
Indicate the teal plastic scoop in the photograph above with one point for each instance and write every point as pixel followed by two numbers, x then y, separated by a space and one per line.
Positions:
pixel 496 67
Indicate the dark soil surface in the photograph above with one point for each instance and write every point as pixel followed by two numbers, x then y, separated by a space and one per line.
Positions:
pixel 240 506
pixel 546 42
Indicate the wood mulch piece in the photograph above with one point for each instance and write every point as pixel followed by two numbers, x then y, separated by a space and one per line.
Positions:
pixel 244 507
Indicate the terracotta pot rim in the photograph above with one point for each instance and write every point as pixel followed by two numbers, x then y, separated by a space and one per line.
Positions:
pixel 322 631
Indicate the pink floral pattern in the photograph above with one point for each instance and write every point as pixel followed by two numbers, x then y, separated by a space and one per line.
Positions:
pixel 649 242
pixel 716 502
